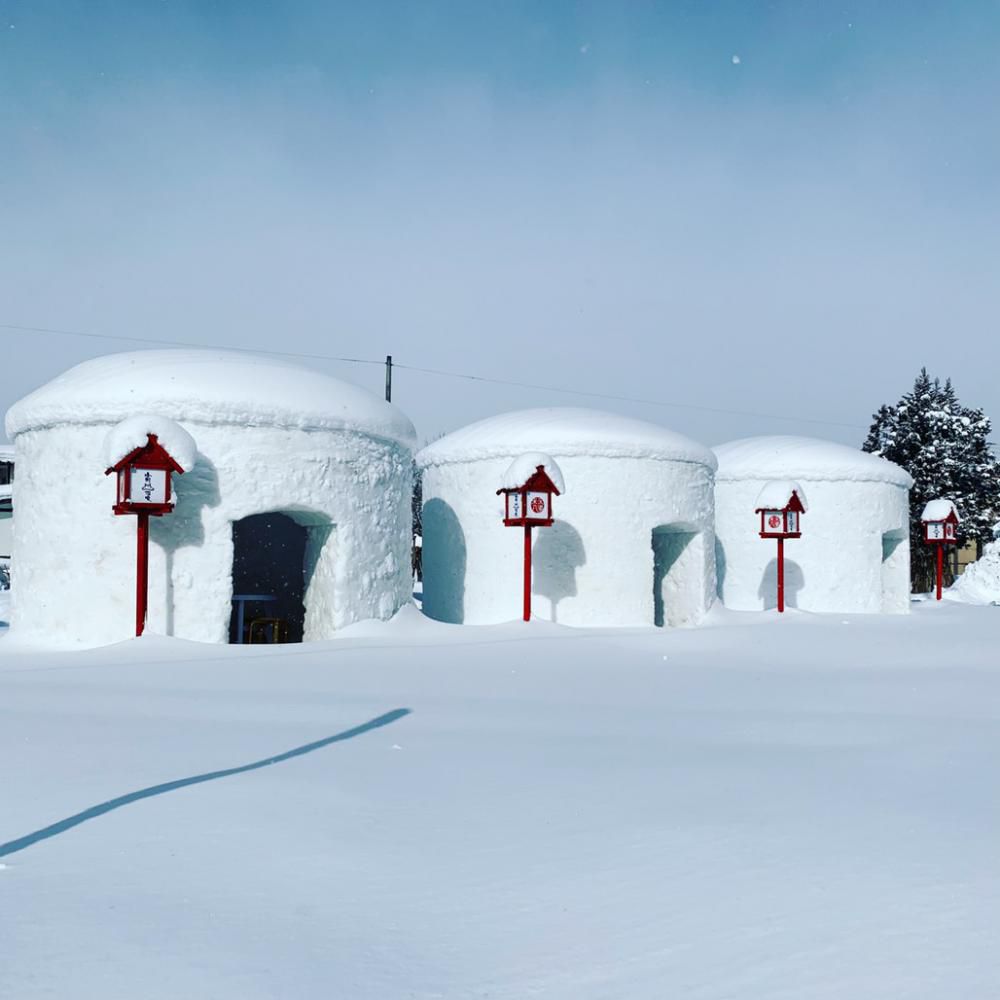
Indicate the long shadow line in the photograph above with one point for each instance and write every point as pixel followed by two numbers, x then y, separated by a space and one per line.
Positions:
pixel 20 843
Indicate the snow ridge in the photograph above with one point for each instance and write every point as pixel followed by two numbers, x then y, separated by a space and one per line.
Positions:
pixel 564 432
pixel 210 387
pixel 804 458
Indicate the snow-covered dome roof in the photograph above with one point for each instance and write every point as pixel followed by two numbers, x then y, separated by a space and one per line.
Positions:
pixel 208 387
pixel 564 432
pixel 804 458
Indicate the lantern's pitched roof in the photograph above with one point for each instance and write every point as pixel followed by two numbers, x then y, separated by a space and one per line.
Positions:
pixel 525 467
pixel 151 454
pixel 939 510
pixel 207 387
pixel 779 494
pixel 132 435
pixel 804 459
pixel 563 432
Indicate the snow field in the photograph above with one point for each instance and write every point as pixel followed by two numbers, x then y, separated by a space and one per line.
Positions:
pixel 772 809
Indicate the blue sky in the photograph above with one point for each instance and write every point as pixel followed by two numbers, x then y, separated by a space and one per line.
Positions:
pixel 781 208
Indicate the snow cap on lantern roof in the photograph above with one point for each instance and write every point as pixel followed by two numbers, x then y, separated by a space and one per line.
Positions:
pixel 133 433
pixel 564 432
pixel 207 387
pixel 525 466
pixel 782 457
pixel 777 493
pixel 938 510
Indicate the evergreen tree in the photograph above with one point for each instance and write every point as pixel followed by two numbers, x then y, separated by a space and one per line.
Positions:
pixel 945 447
pixel 417 510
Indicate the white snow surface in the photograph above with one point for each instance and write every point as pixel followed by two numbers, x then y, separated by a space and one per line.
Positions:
pixel 980 583
pixel 6 453
pixel 766 809
pixel 563 432
pixel 524 467
pixel 777 493
pixel 207 387
pixel 133 432
pixel 938 510
pixel 804 458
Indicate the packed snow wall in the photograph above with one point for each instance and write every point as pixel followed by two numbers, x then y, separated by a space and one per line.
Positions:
pixel 632 542
pixel 74 579
pixel 854 553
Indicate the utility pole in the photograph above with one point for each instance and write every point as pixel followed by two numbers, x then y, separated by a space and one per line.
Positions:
pixel 388 378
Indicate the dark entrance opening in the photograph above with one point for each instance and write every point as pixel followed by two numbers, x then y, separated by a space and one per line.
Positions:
pixel 269 552
pixel 672 574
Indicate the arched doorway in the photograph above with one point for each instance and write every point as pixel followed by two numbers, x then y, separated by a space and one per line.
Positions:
pixel 269 579
pixel 895 576
pixel 677 574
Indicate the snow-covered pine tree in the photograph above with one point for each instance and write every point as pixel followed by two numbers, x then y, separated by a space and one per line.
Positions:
pixel 945 447
pixel 417 510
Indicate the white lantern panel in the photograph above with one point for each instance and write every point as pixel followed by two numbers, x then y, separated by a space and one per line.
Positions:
pixel 792 521
pixel 538 505
pixel 774 521
pixel 515 508
pixel 935 529
pixel 148 485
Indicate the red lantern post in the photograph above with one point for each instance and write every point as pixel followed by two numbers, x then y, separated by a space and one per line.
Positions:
pixel 779 506
pixel 144 489
pixel 529 505
pixel 940 521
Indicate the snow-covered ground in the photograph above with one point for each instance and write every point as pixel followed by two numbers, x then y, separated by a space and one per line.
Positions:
pixel 804 808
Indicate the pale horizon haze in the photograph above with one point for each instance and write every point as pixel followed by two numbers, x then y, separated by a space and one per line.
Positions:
pixel 780 209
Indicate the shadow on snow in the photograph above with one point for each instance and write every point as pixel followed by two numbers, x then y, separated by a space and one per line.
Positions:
pixel 20 843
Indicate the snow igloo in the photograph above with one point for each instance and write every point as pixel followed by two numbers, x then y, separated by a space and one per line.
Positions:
pixel 632 542
pixel 297 506
pixel 854 553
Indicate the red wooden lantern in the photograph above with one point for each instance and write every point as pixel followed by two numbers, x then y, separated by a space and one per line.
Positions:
pixel 780 505
pixel 781 522
pixel 940 521
pixel 144 489
pixel 529 505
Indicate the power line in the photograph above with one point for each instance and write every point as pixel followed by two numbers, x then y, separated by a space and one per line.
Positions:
pixel 162 342
pixel 624 399
pixel 187 343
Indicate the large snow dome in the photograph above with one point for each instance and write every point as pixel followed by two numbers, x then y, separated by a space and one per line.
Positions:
pixel 632 542
pixel 297 507
pixel 854 553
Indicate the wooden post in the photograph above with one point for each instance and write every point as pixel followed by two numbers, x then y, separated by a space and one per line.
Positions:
pixel 527 572
pixel 388 378
pixel 940 568
pixel 141 572
pixel 781 574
